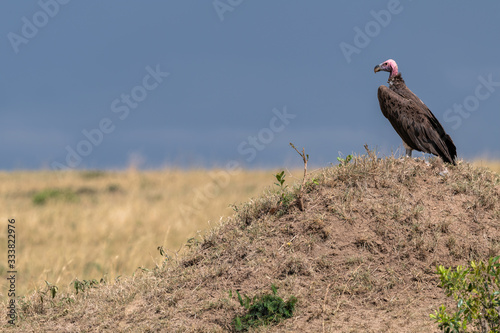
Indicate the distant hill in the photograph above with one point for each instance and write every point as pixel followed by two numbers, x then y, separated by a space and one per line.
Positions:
pixel 361 257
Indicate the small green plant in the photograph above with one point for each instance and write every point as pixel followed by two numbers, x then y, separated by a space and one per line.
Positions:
pixel 51 289
pixel 477 292
pixel 85 284
pixel 285 196
pixel 263 310
pixel 313 181
pixel 280 177
pixel 163 253
pixel 344 161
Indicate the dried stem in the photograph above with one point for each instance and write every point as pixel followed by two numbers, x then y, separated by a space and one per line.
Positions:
pixel 305 158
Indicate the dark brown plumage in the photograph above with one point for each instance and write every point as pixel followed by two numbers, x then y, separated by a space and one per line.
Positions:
pixel 411 118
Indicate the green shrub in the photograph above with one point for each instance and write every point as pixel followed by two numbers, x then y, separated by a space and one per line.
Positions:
pixel 477 292
pixel 43 196
pixel 263 310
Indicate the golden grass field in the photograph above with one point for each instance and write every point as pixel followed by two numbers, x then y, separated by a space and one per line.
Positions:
pixel 103 224
pixel 493 165
pixel 95 224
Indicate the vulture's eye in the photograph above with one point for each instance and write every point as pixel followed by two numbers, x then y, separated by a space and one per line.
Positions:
pixel 385 64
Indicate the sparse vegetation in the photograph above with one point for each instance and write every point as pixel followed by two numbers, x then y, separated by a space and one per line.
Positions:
pixel 286 197
pixel 42 197
pixel 81 286
pixel 477 293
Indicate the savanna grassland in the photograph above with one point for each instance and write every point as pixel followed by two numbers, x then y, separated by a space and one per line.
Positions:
pixel 102 224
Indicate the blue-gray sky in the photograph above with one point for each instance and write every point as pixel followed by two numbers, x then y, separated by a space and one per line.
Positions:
pixel 244 79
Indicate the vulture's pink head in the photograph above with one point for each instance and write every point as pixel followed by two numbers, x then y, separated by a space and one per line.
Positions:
pixel 388 66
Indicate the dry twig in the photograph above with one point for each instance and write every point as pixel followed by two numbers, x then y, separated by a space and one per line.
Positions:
pixel 305 158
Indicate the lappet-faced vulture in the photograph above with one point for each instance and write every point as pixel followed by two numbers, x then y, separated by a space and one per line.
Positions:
pixel 411 118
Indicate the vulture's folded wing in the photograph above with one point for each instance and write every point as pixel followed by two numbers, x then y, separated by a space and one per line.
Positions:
pixel 416 124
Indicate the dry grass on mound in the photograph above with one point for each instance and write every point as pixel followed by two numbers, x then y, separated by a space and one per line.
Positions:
pixel 360 258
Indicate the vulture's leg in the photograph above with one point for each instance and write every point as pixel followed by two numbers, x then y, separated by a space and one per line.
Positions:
pixel 408 149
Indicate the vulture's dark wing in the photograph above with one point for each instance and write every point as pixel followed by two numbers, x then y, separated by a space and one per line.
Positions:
pixel 415 123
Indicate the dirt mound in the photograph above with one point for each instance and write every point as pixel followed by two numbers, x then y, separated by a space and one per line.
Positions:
pixel 360 258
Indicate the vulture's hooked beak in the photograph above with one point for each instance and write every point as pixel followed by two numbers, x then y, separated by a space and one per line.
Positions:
pixel 377 69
